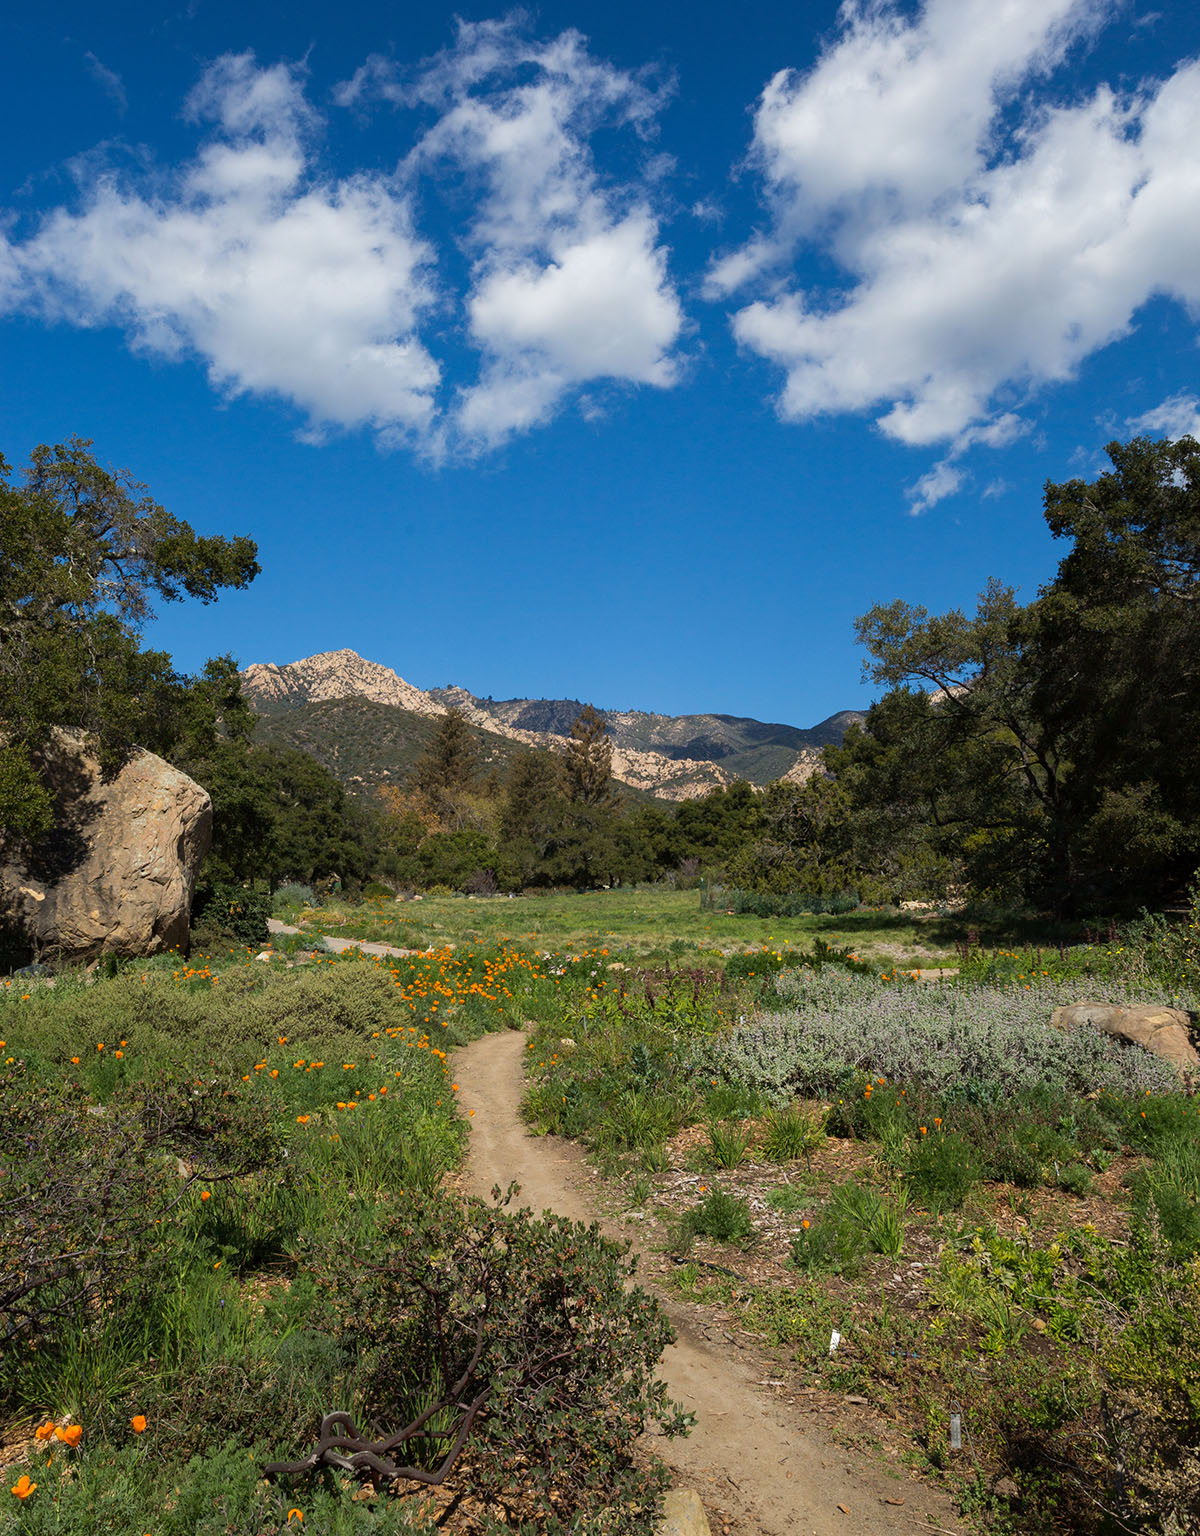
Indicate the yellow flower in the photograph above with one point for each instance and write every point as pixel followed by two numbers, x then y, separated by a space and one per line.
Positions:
pixel 138 1423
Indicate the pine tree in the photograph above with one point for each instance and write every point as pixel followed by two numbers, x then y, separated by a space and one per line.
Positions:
pixel 587 761
pixel 446 768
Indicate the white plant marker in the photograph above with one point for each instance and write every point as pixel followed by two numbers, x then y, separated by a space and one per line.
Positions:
pixel 835 1339
pixel 955 1432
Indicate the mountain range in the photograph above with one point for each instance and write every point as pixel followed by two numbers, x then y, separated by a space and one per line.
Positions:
pixel 367 725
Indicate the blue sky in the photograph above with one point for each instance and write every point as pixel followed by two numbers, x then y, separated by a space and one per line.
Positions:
pixel 619 351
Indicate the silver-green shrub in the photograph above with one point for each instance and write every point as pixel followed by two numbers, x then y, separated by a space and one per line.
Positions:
pixel 941 1038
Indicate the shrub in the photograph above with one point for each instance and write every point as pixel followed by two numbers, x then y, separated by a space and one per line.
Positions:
pixel 943 1170
pixel 224 910
pixel 728 1144
pixel 521 1332
pixel 288 897
pixel 375 890
pixel 980 1045
pixel 721 1216
pixel 791 1133
pixel 857 1220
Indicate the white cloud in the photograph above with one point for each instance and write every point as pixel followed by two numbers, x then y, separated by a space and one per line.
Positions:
pixel 108 80
pixel 989 242
pixel 284 284
pixel 1177 416
pixel 569 281
pixel 287 282
pixel 941 481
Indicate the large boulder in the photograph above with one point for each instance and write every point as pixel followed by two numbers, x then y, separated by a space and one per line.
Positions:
pixel 117 874
pixel 1165 1031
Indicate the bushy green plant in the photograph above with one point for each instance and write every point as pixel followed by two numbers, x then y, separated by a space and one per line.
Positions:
pixel 222 910
pixel 790 1133
pixel 525 1329
pixel 943 1170
pixel 728 1143
pixel 724 1217
pixel 289 897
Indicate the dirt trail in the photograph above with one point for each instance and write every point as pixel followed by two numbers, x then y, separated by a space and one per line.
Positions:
pixel 748 1454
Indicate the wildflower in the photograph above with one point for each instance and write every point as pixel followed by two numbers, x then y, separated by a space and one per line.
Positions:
pixel 806 1223
pixel 74 1061
pixel 206 1194
pixel 138 1423
pixel 23 1487
pixel 71 1435
pixel 923 1128
pixel 295 1514
pixel 44 1431
pixel 301 1119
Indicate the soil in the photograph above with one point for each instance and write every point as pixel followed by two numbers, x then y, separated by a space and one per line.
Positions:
pixel 759 1463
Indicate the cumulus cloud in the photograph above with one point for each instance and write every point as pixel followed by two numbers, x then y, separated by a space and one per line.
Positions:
pixel 989 241
pixel 287 282
pixel 282 283
pixel 1177 416
pixel 569 279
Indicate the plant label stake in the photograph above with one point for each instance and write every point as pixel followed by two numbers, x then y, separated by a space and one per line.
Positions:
pixel 835 1339
pixel 955 1432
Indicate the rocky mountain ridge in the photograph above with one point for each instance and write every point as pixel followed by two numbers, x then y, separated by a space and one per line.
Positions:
pixel 672 756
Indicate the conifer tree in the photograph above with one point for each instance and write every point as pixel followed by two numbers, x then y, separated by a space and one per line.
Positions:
pixel 587 761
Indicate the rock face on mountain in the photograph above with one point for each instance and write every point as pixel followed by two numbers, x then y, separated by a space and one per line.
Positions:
pixel 119 873
pixel 675 757
pixel 331 675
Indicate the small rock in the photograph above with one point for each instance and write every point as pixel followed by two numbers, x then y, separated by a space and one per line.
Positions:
pixel 860 1402
pixel 1006 1488
pixel 683 1514
pixel 264 955
pixel 566 1043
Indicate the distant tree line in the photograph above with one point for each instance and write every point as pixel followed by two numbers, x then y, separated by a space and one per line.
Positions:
pixel 1046 752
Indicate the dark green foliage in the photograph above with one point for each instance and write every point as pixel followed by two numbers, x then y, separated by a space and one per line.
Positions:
pixel 943 1170
pixel 724 1217
pixel 279 816
pixel 1039 768
pixel 534 1318
pixel 448 764
pixel 223 911
pixel 786 903
pixel 587 761
pixel 82 552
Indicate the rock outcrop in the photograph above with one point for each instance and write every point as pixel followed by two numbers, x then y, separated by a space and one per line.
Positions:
pixel 1165 1031
pixel 117 875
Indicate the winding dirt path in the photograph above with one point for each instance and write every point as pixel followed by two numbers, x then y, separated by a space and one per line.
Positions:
pixel 748 1454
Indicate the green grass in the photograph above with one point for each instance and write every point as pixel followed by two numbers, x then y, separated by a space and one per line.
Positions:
pixel 632 924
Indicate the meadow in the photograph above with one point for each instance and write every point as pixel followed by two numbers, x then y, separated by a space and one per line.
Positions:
pixel 639 923
pixel 227 1209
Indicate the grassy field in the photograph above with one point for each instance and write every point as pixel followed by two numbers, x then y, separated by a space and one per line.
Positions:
pixel 641 923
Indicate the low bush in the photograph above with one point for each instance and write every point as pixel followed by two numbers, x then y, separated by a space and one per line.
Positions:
pixel 723 1217
pixel 525 1334
pixel 222 911
pixel 982 1045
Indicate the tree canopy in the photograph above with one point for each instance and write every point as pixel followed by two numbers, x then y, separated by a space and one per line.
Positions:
pixel 84 551
pixel 1051 750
